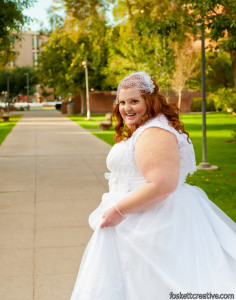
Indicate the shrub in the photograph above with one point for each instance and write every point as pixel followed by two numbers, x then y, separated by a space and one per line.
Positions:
pixel 196 104
pixel 224 99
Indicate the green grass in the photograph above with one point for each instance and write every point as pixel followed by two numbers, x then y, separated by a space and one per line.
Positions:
pixel 219 185
pixel 6 127
pixel 93 127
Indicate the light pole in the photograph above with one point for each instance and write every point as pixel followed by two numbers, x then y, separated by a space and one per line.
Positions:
pixel 27 84
pixel 204 164
pixel 8 90
pixel 85 64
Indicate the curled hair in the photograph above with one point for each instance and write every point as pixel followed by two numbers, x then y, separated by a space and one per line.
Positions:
pixel 156 103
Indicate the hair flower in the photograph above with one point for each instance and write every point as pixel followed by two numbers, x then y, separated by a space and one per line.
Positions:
pixel 152 87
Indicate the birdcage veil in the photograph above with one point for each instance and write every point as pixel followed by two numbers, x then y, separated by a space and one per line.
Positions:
pixel 135 84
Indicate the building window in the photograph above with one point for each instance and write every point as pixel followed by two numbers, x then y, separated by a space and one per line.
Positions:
pixel 35 59
pixel 35 41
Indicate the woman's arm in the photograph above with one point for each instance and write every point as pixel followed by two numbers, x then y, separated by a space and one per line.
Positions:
pixel 157 157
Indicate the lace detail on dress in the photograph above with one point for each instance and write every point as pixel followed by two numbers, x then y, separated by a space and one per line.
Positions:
pixel 186 151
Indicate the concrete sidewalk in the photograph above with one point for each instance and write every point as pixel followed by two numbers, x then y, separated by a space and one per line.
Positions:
pixel 52 177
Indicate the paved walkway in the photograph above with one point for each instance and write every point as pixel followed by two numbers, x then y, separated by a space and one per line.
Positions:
pixel 51 178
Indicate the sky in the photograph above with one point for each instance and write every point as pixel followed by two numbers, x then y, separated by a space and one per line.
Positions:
pixel 38 11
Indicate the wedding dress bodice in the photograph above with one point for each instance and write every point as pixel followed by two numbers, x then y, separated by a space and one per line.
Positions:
pixel 125 174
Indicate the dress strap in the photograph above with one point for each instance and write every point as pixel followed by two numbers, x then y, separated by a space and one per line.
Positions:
pixel 161 122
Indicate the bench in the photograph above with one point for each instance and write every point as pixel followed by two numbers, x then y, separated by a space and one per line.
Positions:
pixel 106 125
pixel 4 116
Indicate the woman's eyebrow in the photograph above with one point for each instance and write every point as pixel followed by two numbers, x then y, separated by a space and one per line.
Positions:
pixel 132 98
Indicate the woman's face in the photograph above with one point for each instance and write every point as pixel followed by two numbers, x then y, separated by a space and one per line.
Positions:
pixel 132 109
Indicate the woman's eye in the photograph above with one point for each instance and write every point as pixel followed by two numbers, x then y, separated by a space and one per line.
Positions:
pixel 134 101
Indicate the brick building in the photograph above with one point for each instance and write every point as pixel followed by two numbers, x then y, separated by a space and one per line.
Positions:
pixel 28 49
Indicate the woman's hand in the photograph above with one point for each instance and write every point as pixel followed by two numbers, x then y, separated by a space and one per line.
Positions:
pixel 111 218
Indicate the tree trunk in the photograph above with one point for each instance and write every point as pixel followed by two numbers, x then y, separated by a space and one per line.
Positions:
pixel 83 103
pixel 179 100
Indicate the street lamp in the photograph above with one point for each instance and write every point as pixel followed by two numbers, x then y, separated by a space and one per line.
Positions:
pixel 8 89
pixel 204 164
pixel 85 64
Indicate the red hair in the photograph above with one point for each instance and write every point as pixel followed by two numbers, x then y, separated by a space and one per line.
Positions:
pixel 156 103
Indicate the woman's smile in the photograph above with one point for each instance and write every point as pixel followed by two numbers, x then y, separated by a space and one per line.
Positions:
pixel 133 108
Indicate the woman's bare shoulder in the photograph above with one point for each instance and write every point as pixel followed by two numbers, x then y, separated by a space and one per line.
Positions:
pixel 156 135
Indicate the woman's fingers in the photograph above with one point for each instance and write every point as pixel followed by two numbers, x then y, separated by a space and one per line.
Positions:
pixel 102 225
pixel 110 218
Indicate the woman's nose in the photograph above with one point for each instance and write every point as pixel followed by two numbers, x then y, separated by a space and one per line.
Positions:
pixel 128 107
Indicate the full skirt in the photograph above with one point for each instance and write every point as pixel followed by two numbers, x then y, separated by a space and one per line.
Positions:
pixel 184 244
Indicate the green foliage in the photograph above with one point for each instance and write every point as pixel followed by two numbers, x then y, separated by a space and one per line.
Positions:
pixel 82 10
pixel 196 104
pixel 114 52
pixel 133 47
pixel 223 27
pixel 17 80
pixel 224 99
pixel 219 17
pixel 60 63
pixel 141 39
pixel 219 72
pixel 12 20
pixel 55 62
pixel 55 20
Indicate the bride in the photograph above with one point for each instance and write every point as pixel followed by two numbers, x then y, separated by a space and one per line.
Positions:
pixel 155 237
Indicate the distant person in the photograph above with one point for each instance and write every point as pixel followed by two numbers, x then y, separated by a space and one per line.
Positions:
pixel 154 235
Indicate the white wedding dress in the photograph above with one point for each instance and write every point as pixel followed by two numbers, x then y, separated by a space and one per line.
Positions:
pixel 184 244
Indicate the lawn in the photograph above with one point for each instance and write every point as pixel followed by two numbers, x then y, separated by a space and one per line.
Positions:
pixel 220 185
pixel 6 127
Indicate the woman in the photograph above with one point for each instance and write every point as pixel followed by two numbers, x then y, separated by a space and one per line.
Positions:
pixel 154 235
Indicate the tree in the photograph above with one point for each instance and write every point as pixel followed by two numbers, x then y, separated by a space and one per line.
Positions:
pixel 12 20
pixel 140 42
pixel 55 61
pixel 151 28
pixel 76 41
pixel 55 21
pixel 219 73
pixel 17 80
pixel 159 35
pixel 218 21
pixel 224 99
pixel 185 62
pixel 223 30
pixel 202 14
